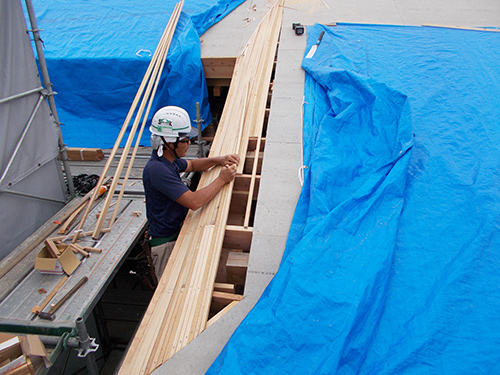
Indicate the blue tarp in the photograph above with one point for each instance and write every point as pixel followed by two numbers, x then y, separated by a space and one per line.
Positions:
pixel 97 53
pixel 392 265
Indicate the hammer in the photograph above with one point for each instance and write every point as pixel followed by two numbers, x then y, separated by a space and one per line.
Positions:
pixel 36 310
pixel 51 314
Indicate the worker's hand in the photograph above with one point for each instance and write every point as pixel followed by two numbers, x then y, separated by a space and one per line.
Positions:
pixel 232 159
pixel 227 173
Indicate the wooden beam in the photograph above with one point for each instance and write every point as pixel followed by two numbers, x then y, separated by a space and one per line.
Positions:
pixel 221 313
pixel 250 162
pixel 462 28
pixel 220 82
pixel 237 237
pixel 227 298
pixel 224 287
pixel 218 67
pixel 236 267
pixel 252 143
pixel 242 183
pixel 84 154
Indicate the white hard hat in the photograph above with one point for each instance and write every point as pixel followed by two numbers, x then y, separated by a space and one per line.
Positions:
pixel 172 123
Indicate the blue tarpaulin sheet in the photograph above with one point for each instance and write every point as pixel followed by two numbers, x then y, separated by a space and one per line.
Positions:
pixel 97 53
pixel 392 264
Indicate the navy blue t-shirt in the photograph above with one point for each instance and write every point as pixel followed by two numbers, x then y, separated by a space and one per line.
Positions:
pixel 162 186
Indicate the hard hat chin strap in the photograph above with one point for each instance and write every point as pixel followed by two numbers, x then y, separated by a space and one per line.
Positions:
pixel 171 149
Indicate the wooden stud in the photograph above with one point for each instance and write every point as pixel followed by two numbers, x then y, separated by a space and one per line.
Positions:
pixel 92 249
pixel 218 67
pixel 226 297
pixel 221 313
pixel 224 287
pixel 71 220
pixel 78 249
pixel 52 248
pixel 236 267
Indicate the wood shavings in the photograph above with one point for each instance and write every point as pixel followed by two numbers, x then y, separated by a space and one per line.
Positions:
pixel 247 21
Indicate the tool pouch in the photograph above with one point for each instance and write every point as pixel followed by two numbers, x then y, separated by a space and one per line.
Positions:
pixel 146 248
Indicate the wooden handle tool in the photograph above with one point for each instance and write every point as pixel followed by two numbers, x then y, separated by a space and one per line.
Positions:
pixel 51 314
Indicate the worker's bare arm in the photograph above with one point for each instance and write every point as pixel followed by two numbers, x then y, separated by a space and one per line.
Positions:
pixel 202 164
pixel 196 199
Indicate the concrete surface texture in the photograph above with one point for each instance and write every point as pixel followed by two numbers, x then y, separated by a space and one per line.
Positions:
pixel 280 187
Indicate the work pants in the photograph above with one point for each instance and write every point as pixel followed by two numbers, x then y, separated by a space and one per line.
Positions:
pixel 160 255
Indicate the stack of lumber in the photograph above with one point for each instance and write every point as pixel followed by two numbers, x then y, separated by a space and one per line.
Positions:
pixel 84 154
pixel 180 307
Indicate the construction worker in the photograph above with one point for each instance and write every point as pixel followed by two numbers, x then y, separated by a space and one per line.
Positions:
pixel 167 197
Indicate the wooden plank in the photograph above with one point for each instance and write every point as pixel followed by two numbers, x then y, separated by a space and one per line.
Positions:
pixel 92 249
pixel 463 28
pixel 242 184
pixel 52 248
pixel 221 313
pixel 238 203
pixel 251 190
pixel 252 143
pixel 223 297
pixel 69 222
pixel 236 267
pixel 218 67
pixel 250 161
pixel 238 237
pixel 87 154
pixel 224 287
pixel 220 82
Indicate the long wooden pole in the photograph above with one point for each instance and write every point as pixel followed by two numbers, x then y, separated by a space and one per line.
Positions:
pixel 175 17
pixel 118 141
pixel 162 49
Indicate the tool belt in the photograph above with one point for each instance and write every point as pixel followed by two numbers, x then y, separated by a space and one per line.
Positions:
pixel 157 241
pixel 146 247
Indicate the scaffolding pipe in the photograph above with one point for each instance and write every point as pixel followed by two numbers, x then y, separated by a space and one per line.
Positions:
pixel 26 195
pixel 87 347
pixel 53 341
pixel 18 145
pixel 50 94
pixel 21 95
pixel 198 125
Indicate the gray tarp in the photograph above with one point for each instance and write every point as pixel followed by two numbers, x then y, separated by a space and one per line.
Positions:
pixel 35 169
